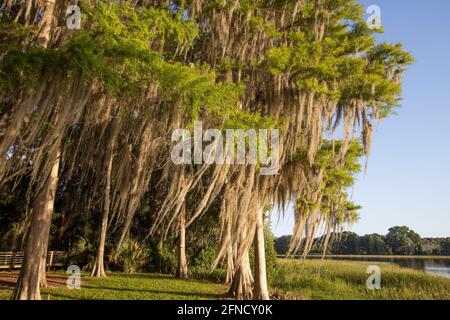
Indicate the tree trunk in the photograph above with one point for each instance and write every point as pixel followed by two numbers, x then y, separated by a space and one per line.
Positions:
pixel 242 285
pixel 160 248
pixel 27 286
pixel 230 265
pixel 46 23
pixel 182 270
pixel 260 291
pixel 43 270
pixel 99 268
pixel 32 272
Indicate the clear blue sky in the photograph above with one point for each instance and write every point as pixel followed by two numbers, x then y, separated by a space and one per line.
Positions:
pixel 408 180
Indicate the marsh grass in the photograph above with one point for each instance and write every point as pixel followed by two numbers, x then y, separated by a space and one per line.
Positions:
pixel 335 280
pixel 368 256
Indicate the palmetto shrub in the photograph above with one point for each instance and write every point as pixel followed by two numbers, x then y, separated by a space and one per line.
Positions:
pixel 131 257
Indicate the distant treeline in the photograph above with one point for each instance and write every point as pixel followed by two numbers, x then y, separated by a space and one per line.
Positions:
pixel 398 241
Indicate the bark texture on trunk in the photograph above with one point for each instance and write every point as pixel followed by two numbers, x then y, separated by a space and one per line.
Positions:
pixel 99 266
pixel 43 270
pixel 230 264
pixel 27 286
pixel 182 270
pixel 260 291
pixel 242 285
pixel 46 23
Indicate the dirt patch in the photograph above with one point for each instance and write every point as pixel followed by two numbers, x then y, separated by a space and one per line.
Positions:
pixel 8 280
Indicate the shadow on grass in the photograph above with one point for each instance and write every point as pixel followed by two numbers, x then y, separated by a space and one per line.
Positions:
pixel 161 276
pixel 118 286
pixel 118 292
pixel 142 275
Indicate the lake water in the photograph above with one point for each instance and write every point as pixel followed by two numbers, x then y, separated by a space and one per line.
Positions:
pixel 432 266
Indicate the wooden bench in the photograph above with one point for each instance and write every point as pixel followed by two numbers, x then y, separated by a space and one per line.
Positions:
pixel 14 260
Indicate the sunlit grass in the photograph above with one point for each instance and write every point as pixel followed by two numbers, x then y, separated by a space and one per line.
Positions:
pixel 5 294
pixel 333 279
pixel 135 287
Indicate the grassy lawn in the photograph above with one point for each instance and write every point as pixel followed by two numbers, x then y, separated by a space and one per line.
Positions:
pixel 312 279
pixel 135 287
pixel 335 280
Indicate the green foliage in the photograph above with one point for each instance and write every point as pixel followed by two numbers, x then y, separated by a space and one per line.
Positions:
pixel 132 256
pixel 165 259
pixel 13 216
pixel 282 244
pixel 376 244
pixel 350 243
pixel 445 245
pixel 113 48
pixel 338 176
pixel 271 254
pixel 346 64
pixel 403 240
pixel 203 262
pixel 21 67
pixel 279 60
pixel 268 28
pixel 399 241
pixel 82 254
pixel 115 45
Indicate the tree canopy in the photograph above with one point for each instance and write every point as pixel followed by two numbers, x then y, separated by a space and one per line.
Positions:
pixel 87 116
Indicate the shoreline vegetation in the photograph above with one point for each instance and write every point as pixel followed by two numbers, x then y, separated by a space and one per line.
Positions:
pixel 400 241
pixel 294 280
pixel 363 256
